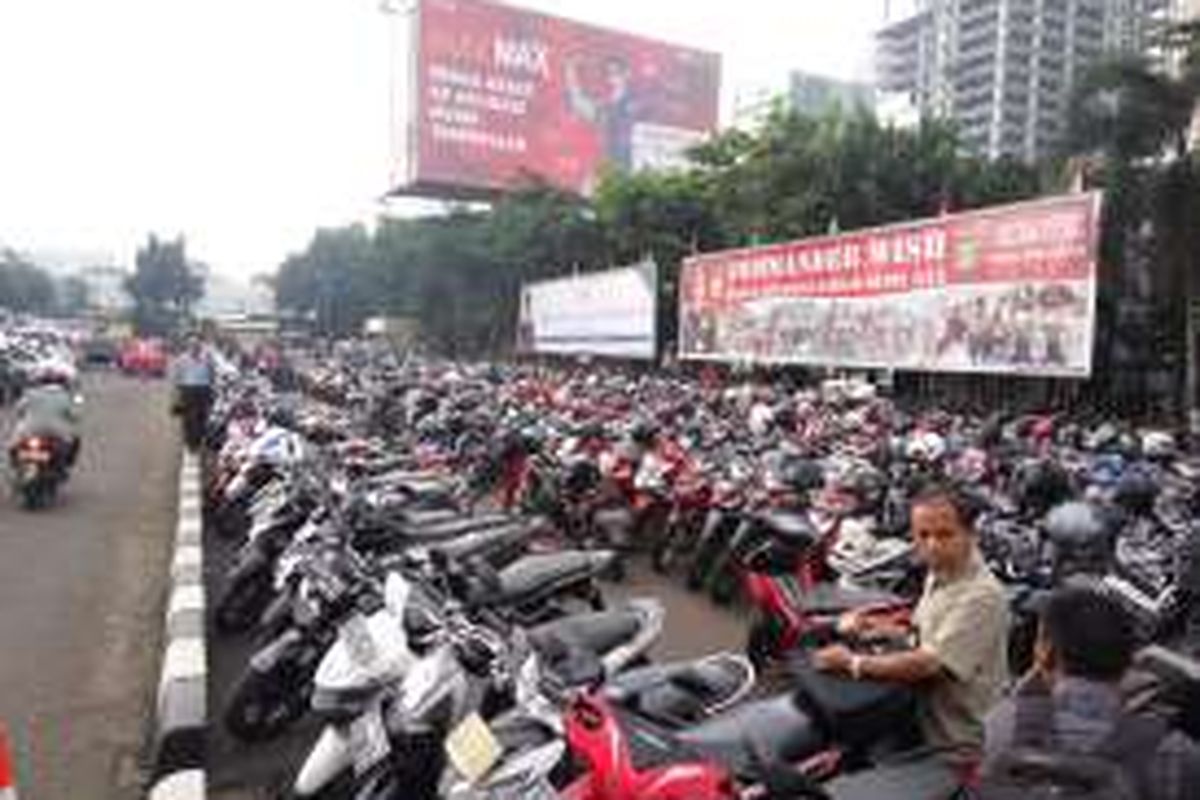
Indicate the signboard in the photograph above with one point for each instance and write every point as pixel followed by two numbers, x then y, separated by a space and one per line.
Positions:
pixel 611 313
pixel 1006 289
pixel 503 94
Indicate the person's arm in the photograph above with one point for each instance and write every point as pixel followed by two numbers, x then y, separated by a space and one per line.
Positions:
pixel 580 103
pixel 910 666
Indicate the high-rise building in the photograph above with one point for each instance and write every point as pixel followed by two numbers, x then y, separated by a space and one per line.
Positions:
pixel 802 92
pixel 1004 70
pixel 816 94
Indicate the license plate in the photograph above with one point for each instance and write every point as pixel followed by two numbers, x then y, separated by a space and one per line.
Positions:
pixel 35 456
pixel 472 748
pixel 368 741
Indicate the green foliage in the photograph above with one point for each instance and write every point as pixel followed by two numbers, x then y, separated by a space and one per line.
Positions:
pixel 164 285
pixel 73 296
pixel 1130 122
pixel 459 274
pixel 24 286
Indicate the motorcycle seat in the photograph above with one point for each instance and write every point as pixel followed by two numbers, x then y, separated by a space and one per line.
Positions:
pixel 456 526
pixel 775 729
pixel 792 529
pixel 683 691
pixel 574 647
pixel 529 577
pixel 832 598
pixel 928 777
pixel 425 516
pixel 481 541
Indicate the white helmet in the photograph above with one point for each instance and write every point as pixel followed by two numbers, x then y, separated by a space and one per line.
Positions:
pixel 926 447
pixel 1158 444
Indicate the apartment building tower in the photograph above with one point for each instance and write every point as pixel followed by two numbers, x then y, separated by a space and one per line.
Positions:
pixel 1004 70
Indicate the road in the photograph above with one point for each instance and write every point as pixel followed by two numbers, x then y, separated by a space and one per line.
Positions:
pixel 82 593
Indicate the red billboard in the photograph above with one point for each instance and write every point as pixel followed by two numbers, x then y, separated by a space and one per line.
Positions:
pixel 1005 289
pixel 503 95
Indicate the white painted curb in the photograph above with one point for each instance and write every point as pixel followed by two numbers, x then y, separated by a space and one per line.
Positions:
pixel 182 707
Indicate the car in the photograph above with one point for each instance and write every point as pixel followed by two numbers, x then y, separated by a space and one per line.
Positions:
pixel 147 357
pixel 100 351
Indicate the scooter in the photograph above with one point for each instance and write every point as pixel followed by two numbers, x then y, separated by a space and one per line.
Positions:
pixel 435 691
pixel 40 464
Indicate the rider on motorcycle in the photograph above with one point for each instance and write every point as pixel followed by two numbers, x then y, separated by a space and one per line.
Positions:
pixel 49 410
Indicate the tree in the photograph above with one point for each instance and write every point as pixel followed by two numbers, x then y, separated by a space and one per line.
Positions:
pixel 164 285
pixel 73 296
pixel 23 285
pixel 1130 123
pixel 459 274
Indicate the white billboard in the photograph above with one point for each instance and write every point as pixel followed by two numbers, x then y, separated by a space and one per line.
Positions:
pixel 610 313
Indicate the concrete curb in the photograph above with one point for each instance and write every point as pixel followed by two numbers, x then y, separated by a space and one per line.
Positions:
pixel 177 769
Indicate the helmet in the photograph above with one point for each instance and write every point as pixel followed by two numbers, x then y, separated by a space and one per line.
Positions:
pixel 582 475
pixel 972 465
pixel 643 432
pixel 1073 523
pixel 1079 540
pixel 1042 485
pixel 1107 470
pixel 282 417
pixel 1158 445
pixel 1042 429
pixel 926 448
pixel 1136 492
pixel 866 483
pixel 802 474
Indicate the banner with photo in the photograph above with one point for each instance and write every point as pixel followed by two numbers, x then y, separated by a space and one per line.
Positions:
pixel 610 313
pixel 1009 289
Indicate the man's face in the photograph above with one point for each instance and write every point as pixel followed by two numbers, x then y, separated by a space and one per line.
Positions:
pixel 941 539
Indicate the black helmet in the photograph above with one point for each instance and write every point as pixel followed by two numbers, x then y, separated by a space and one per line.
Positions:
pixel 1042 485
pixel 1136 492
pixel 643 432
pixel 582 475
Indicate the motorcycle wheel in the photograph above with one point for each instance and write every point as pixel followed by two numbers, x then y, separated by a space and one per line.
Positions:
pixel 707 548
pixel 231 521
pixel 262 706
pixel 34 496
pixel 723 586
pixel 662 557
pixel 241 604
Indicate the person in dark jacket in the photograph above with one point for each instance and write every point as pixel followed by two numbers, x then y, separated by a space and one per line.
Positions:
pixel 1084 649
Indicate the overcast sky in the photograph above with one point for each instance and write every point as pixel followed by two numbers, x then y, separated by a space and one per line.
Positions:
pixel 246 124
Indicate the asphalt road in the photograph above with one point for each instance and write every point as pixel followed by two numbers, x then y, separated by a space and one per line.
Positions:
pixel 82 593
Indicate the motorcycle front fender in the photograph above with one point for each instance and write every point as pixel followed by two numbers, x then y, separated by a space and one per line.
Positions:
pixel 328 759
pixel 284 647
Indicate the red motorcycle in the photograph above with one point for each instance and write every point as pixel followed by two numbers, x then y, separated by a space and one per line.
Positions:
pixel 793 590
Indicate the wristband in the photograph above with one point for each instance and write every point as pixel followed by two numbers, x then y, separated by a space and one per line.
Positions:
pixel 856 663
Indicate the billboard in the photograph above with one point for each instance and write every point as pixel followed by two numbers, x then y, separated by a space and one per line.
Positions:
pixel 610 313
pixel 1009 289
pixel 502 94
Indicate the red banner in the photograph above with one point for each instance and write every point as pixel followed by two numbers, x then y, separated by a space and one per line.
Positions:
pixel 1032 263
pixel 505 94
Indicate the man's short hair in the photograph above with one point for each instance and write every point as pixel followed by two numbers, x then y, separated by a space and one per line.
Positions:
pixel 966 506
pixel 1092 635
